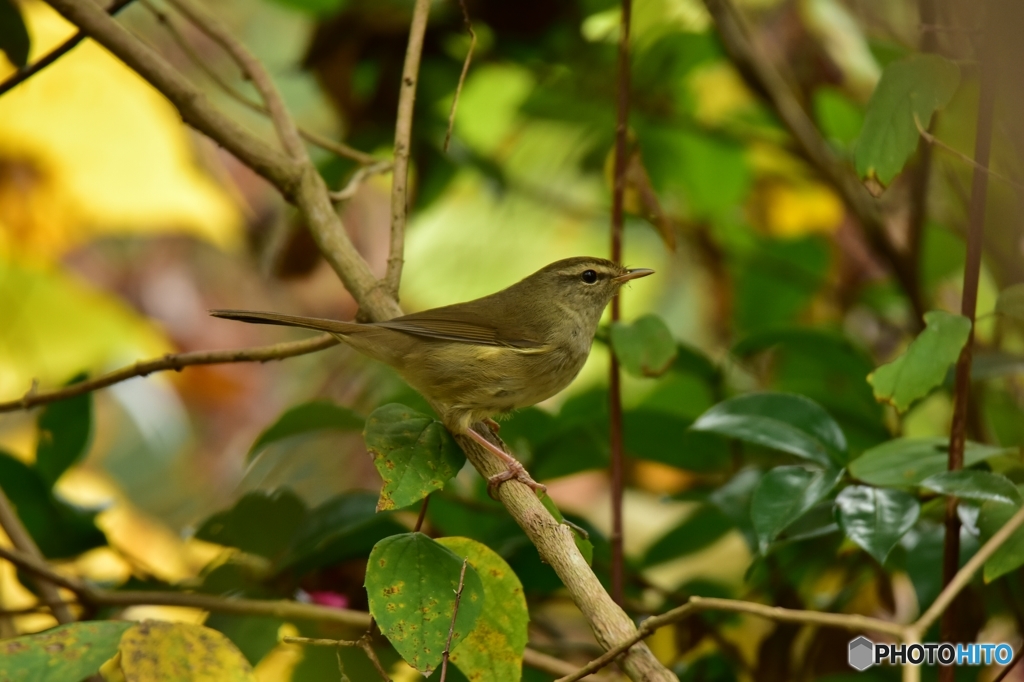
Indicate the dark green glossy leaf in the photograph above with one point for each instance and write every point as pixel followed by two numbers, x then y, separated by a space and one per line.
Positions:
pixel 783 495
pixel 259 523
pixel 923 366
pixel 65 431
pixel 924 543
pixel 1010 302
pixel 912 88
pixel 790 423
pixel 67 652
pixel 875 518
pixel 344 527
pixel 60 529
pixel 1010 554
pixel 307 417
pixel 699 530
pixel 909 461
pixel 411 582
pixel 414 454
pixel 493 651
pixel 14 39
pixel 971 484
pixel 667 438
pixel 645 347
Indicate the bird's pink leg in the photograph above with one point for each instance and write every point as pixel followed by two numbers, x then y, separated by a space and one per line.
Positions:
pixel 515 468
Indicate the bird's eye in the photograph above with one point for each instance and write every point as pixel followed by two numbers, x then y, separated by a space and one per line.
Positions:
pixel 589 276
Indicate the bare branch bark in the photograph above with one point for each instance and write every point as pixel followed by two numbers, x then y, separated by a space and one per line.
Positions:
pixel 462 75
pixel 283 122
pixel 175 362
pixel 23 542
pixel 403 141
pixel 754 65
pixel 339 148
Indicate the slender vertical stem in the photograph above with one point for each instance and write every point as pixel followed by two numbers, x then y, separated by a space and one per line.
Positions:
pixel 614 388
pixel 451 628
pixel 403 142
pixel 968 307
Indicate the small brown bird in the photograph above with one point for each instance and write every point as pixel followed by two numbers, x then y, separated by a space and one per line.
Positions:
pixel 492 355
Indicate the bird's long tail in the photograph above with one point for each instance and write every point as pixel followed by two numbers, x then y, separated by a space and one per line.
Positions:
pixel 318 323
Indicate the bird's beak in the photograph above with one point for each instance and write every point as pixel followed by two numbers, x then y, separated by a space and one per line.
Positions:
pixel 636 273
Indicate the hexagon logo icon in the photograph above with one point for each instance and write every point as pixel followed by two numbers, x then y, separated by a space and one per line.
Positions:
pixel 862 654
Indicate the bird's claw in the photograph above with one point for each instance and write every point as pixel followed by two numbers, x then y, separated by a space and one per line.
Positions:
pixel 514 471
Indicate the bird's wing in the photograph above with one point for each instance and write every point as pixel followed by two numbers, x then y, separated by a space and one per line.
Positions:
pixel 463 324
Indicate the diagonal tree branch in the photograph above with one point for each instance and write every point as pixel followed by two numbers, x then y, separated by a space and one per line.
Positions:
pixel 253 69
pixel 20 538
pixel 338 148
pixel 755 66
pixel 403 142
pixel 176 362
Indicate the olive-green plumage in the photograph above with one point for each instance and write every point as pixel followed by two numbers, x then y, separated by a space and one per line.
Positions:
pixel 494 354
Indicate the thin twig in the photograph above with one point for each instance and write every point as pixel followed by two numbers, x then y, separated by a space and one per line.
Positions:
pixel 932 140
pixel 767 79
pixel 20 538
pixel 22 75
pixel 339 148
pixel 362 643
pixel 403 144
pixel 422 516
pixel 176 362
pixel 965 574
pixel 451 628
pixel 462 76
pixel 621 162
pixel 968 308
pixel 1009 666
pixel 254 70
pixel 358 178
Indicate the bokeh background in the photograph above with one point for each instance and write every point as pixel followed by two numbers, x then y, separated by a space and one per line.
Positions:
pixel 120 228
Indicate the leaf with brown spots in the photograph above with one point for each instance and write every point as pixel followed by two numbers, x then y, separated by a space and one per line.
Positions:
pixel 414 454
pixel 493 652
pixel 411 582
pixel 68 652
pixel 154 651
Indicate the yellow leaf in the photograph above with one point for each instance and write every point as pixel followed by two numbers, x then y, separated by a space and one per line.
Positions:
pixel 56 326
pixel 720 93
pixel 89 148
pixel 795 210
pixel 153 651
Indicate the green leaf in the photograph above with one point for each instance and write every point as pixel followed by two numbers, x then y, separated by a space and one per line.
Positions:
pixel 414 454
pixel 312 416
pixel 1010 554
pixel 923 366
pixel 875 518
pixel 1011 302
pixel 839 118
pixel 493 651
pixel 60 529
pixel 782 421
pixel 783 495
pixel 646 347
pixel 778 279
pixel 259 523
pixel 65 430
pixel 317 8
pixel 912 87
pixel 583 543
pixel 14 39
pixel 699 530
pixel 345 527
pixel 170 652
pixel 411 582
pixel 909 461
pixel 665 437
pixel 971 484
pixel 67 652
